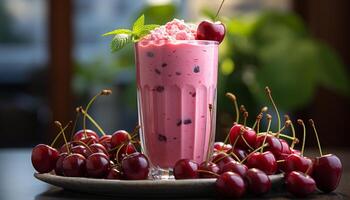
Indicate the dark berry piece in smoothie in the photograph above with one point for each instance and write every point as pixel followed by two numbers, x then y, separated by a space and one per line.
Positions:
pixel 162 138
pixel 164 65
pixel 193 94
pixel 178 73
pixel 187 121
pixel 157 71
pixel 159 88
pixel 150 54
pixel 196 69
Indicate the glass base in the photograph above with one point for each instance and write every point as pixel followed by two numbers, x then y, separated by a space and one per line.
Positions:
pixel 158 173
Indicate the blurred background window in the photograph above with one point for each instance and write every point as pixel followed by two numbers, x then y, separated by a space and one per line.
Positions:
pixel 23 60
pixel 52 58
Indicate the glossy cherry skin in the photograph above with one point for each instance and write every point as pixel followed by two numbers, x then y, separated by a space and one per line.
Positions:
pixel 135 166
pixel 295 151
pixel 98 148
pixel 299 184
pixel 120 137
pixel 64 147
pixel 258 181
pixel 208 170
pixel 221 159
pixel 285 147
pixel 97 165
pixel 78 136
pixel 235 167
pixel 124 151
pixel 220 146
pixel 74 165
pixel 327 172
pixel 44 158
pixel 211 31
pixel 114 173
pixel 248 134
pixel 106 142
pixel 274 144
pixel 186 169
pixel 80 149
pixel 264 161
pixel 230 184
pixel 59 164
pixel 89 140
pixel 240 153
pixel 295 162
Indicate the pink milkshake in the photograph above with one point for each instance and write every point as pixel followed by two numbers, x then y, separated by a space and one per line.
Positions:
pixel 176 82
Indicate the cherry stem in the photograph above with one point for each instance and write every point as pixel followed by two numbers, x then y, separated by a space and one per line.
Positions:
pixel 217 13
pixel 82 143
pixel 92 120
pixel 58 124
pixel 135 131
pixel 259 116
pixel 233 98
pixel 236 140
pixel 118 151
pixel 279 161
pixel 316 134
pixel 269 118
pixel 103 92
pixel 304 136
pixel 245 141
pixel 286 124
pixel 294 137
pixel 211 139
pixel 208 172
pixel 234 155
pixel 268 92
pixel 245 115
pixel 59 134
pixel 251 153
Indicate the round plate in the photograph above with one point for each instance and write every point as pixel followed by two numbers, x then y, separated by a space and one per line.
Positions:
pixel 168 188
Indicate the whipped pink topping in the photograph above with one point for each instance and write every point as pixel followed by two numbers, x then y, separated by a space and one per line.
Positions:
pixel 173 30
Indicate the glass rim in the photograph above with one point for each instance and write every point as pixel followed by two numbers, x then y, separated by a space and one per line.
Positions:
pixel 159 42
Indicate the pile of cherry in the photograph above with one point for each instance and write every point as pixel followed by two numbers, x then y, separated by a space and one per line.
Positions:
pixel 88 155
pixel 242 166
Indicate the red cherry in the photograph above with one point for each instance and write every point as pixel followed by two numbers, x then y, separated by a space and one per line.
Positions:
pixel 220 146
pixel 240 153
pixel 285 147
pixel 114 173
pixel 98 148
pixel 248 134
pixel 80 149
pixel 211 31
pixel 295 162
pixel 124 151
pixel 274 144
pixel 295 151
pixel 97 165
pixel 78 136
pixel 327 172
pixel 281 164
pixel 208 170
pixel 299 184
pixel 120 137
pixel 106 141
pixel 221 159
pixel 89 140
pixel 264 161
pixel 258 181
pixel 230 184
pixel 64 147
pixel 44 158
pixel 59 164
pixel 74 165
pixel 185 169
pixel 235 167
pixel 135 166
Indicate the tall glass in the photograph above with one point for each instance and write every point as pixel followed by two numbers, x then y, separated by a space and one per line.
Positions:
pixel 176 83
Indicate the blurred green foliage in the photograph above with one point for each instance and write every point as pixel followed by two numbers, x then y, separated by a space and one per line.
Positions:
pixel 269 49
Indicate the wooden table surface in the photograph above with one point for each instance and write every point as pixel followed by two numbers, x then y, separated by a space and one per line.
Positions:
pixel 17 181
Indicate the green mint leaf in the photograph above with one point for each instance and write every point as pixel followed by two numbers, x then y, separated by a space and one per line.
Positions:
pixel 118 31
pixel 138 25
pixel 150 27
pixel 119 41
pixel 145 31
